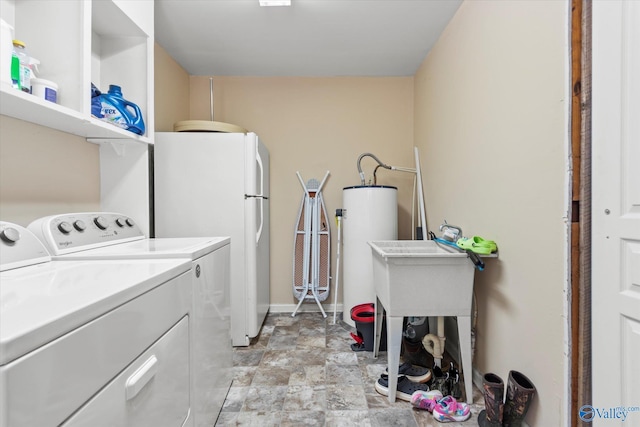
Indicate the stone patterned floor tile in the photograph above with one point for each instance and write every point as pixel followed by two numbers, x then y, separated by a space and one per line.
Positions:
pixel 303 418
pixel 306 398
pixel 271 376
pixel 302 371
pixel 262 398
pixel 345 397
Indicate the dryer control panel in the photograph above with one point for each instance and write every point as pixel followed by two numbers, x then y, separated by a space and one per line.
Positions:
pixel 19 247
pixel 67 233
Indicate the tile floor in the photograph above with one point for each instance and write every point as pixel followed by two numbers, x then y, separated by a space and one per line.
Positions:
pixel 301 371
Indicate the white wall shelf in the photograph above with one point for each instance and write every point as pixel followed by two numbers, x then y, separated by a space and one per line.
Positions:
pixel 80 42
pixel 24 106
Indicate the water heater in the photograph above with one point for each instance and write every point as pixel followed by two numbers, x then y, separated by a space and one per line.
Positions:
pixel 370 212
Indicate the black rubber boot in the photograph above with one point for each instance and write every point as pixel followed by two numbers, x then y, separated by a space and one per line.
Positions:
pixel 520 393
pixel 493 390
pixel 414 353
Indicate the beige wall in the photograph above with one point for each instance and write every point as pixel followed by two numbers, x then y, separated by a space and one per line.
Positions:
pixel 314 125
pixel 310 125
pixel 45 172
pixel 491 104
pixel 171 91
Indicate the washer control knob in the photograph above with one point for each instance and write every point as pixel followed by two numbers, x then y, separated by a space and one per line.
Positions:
pixel 100 222
pixel 130 222
pixel 80 225
pixel 10 235
pixel 121 222
pixel 65 227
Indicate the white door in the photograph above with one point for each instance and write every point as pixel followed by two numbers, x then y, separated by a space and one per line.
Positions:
pixel 616 214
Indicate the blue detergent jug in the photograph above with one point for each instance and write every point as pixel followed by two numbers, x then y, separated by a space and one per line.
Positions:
pixel 120 112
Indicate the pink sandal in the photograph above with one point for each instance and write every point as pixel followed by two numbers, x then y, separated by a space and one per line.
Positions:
pixel 449 409
pixel 425 399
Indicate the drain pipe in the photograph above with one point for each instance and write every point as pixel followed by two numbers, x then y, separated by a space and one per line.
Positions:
pixel 434 344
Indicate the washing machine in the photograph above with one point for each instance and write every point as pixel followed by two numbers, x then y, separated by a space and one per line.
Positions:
pixel 114 236
pixel 91 343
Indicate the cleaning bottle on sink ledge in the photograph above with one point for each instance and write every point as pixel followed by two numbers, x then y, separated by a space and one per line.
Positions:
pixel 120 112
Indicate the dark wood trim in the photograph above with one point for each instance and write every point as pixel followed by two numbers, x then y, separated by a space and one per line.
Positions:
pixel 580 302
pixel 576 125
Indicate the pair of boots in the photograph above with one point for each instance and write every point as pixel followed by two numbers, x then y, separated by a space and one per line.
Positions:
pixel 511 413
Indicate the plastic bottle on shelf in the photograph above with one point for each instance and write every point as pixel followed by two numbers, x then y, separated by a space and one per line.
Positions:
pixel 6 51
pixel 96 105
pixel 25 69
pixel 15 69
pixel 120 112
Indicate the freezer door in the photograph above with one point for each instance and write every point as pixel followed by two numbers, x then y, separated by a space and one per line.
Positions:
pixel 256 166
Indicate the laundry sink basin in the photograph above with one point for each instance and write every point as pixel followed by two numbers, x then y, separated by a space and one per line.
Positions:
pixel 423 275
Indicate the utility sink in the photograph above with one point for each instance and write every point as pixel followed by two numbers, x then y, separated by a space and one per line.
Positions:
pixel 421 278
pixel 410 272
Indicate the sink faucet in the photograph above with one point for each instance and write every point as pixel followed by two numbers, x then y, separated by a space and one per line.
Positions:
pixel 450 232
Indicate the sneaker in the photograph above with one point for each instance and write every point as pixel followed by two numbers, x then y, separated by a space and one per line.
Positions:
pixel 404 390
pixel 454 381
pixel 425 399
pixel 448 409
pixel 417 374
pixel 447 382
pixel 440 381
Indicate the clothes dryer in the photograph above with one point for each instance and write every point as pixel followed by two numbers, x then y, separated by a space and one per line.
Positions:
pixel 114 236
pixel 99 342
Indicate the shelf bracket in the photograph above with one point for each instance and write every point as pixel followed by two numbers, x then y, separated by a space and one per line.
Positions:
pixel 119 147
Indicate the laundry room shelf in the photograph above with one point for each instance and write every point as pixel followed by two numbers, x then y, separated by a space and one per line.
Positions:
pixel 77 44
pixel 29 108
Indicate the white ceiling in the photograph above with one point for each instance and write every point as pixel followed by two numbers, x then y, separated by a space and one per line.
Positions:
pixel 308 38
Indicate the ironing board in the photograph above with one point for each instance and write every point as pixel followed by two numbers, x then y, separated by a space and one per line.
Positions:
pixel 312 247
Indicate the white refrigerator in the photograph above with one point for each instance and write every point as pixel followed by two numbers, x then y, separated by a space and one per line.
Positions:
pixel 217 184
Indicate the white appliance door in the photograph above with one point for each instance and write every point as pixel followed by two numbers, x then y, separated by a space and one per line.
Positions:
pixel 199 184
pixel 257 235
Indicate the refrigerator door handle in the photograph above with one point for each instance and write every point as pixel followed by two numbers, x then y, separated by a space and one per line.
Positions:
pixel 260 193
pixel 261 170
pixel 259 233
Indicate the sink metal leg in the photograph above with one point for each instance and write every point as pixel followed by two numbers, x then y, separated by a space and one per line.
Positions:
pixel 464 334
pixel 394 342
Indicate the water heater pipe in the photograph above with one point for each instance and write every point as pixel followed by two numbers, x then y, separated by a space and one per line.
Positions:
pixel 423 214
pixel 362 181
pixel 211 95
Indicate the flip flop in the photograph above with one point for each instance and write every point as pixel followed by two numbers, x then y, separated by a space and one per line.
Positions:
pixel 417 374
pixel 477 244
pixel 404 390
pixel 448 409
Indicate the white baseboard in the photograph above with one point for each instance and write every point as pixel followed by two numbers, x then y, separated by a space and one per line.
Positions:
pixel 477 378
pixel 306 307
